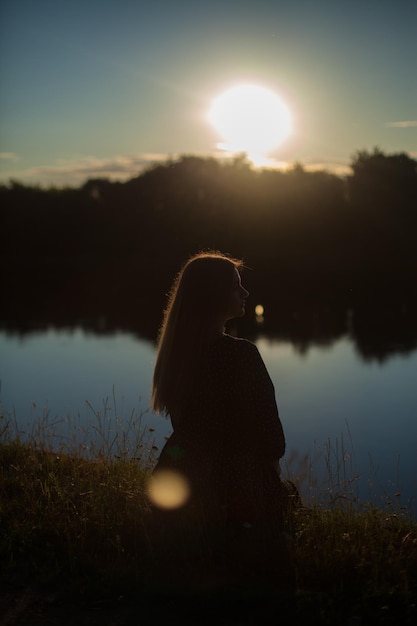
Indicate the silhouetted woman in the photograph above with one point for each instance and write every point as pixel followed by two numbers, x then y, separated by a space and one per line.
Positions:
pixel 227 436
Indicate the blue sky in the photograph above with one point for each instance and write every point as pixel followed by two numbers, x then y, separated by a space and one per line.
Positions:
pixel 104 88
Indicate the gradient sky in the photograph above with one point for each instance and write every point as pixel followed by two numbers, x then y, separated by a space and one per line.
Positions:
pixel 93 88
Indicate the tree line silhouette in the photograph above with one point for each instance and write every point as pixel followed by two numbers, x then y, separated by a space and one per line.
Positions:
pixel 317 245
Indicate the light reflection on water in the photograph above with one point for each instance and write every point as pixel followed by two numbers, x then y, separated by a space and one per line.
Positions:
pixel 330 402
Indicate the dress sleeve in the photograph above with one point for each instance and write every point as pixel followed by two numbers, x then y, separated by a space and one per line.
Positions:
pixel 256 404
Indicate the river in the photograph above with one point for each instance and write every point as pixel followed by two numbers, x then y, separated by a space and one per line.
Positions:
pixel 357 417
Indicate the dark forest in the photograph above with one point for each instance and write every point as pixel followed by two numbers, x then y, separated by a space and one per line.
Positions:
pixel 325 255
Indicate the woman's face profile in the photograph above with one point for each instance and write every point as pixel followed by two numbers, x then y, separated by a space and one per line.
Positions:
pixel 235 303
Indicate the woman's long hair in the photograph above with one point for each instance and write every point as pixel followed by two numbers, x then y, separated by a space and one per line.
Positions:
pixel 196 301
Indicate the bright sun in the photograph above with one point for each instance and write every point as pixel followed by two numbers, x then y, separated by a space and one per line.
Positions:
pixel 250 119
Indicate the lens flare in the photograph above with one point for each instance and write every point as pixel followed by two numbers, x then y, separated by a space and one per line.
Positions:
pixel 168 489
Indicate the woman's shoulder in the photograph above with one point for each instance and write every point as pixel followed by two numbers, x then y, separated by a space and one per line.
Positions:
pixel 240 354
pixel 234 352
pixel 239 345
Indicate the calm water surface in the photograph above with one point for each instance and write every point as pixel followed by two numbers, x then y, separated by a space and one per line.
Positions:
pixel 362 414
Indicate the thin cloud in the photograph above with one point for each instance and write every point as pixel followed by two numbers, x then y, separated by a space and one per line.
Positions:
pixel 406 124
pixel 335 165
pixel 8 156
pixel 332 167
pixel 340 169
pixel 77 171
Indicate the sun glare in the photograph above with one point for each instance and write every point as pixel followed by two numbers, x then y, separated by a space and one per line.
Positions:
pixel 250 119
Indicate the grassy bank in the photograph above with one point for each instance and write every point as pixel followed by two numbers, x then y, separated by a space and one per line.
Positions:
pixel 75 547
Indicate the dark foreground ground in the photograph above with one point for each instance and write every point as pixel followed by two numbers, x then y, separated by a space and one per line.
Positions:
pixel 37 605
pixel 79 547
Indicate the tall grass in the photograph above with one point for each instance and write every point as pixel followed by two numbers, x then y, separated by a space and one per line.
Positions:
pixel 81 514
pixel 329 478
pixel 109 432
